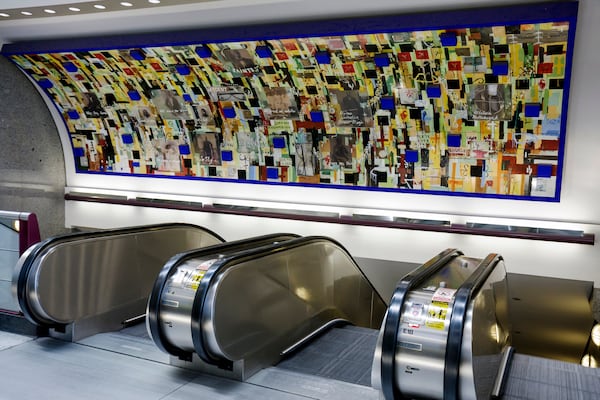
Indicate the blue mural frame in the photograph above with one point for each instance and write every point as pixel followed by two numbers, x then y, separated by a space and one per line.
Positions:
pixel 449 20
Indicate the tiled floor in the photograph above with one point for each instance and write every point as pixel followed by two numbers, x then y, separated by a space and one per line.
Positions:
pixel 116 366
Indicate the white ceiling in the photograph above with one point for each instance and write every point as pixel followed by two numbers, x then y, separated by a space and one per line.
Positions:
pixel 187 14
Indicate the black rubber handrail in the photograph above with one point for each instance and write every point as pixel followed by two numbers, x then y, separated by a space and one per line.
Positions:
pixel 462 298
pixel 41 248
pixel 153 309
pixel 392 322
pixel 222 265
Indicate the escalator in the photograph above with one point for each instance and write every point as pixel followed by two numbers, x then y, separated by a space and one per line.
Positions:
pixel 252 308
pixel 296 315
pixel 79 284
pixel 269 307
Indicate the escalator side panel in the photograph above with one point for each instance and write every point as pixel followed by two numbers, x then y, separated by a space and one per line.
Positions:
pixel 266 301
pixel 485 336
pixel 180 290
pixel 99 276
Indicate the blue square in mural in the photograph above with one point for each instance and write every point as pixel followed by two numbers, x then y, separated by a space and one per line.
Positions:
pixel 500 68
pixel 45 83
pixel 136 164
pixel 263 52
pixel 316 116
pixel 183 69
pixel 544 171
pixel 227 155
pixel 454 140
pixel 187 97
pixel 73 114
pixel 184 149
pixel 532 110
pixel 382 60
pixel 229 112
pixel 279 142
pixel 137 55
pixel 448 39
pixel 127 138
pixel 78 151
pixel 323 57
pixel 387 103
pixel 411 156
pixel 70 67
pixel 134 95
pixel 272 173
pixel 203 51
pixel 434 92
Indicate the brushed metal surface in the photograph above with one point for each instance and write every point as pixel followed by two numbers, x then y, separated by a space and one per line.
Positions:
pixel 423 333
pixel 265 304
pixel 264 301
pixel 485 335
pixel 89 276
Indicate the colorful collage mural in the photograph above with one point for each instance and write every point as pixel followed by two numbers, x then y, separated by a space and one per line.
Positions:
pixel 474 110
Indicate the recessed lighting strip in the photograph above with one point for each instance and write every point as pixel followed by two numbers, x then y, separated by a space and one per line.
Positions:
pixel 86 7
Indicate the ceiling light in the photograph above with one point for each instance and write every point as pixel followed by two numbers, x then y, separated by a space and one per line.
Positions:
pixel 26 13
pixel 49 11
pixel 4 15
pixel 126 4
pixel 74 9
pixel 99 6
pixel 154 1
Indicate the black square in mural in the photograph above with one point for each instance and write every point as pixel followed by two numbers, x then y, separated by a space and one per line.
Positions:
pixel 371 73
pixel 312 90
pixel 476 171
pixel 381 176
pixel 212 171
pixel 383 120
pixel 556 84
pixel 269 161
pixel 414 113
pixel 453 84
pixel 351 178
pixel 491 78
pixel 136 154
pixel 372 48
pixel 522 84
pixel 501 48
pixel 187 163
pixel 241 174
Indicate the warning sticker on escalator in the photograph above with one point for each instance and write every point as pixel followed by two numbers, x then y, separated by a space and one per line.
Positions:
pixel 193 278
pixel 437 313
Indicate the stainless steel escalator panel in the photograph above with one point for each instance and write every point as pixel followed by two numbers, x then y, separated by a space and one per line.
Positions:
pixel 180 287
pixel 421 350
pixel 238 311
pixel 263 305
pixel 102 276
pixel 485 334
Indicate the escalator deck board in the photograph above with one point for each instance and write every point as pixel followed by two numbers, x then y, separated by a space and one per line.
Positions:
pixel 344 354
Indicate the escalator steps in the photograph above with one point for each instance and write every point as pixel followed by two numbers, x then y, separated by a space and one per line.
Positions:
pixel 344 354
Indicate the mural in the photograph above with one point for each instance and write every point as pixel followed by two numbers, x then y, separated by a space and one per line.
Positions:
pixel 473 110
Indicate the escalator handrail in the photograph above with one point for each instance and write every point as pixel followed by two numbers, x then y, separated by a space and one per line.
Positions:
pixel 222 265
pixel 39 249
pixel 392 321
pixel 462 298
pixel 153 308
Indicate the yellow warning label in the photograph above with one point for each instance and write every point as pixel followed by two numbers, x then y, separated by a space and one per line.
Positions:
pixel 436 315
pixel 194 279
